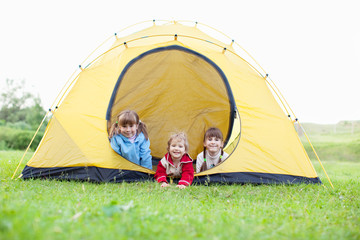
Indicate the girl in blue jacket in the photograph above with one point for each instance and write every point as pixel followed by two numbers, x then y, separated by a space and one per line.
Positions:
pixel 129 138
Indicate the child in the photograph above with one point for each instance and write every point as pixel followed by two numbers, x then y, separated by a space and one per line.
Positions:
pixel 129 138
pixel 213 153
pixel 176 163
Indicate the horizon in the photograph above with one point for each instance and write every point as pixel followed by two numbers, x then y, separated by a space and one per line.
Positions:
pixel 308 48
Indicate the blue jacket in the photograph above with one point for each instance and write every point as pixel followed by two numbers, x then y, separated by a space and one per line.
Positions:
pixel 137 152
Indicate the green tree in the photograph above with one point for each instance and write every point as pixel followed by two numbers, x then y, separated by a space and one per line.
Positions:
pixel 19 105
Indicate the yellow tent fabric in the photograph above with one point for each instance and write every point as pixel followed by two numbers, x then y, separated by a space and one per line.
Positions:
pixel 175 77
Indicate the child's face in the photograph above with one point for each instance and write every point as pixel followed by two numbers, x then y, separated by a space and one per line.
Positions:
pixel 213 145
pixel 128 130
pixel 177 149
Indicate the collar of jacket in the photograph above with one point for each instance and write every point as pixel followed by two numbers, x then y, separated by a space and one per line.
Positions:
pixel 138 138
pixel 185 159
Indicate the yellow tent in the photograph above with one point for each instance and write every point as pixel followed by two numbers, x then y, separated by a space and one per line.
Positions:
pixel 175 77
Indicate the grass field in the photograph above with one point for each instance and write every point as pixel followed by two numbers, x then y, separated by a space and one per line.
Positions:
pixel 38 209
pixel 43 209
pixel 334 142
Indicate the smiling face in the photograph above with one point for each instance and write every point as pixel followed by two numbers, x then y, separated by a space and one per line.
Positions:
pixel 128 130
pixel 213 145
pixel 177 149
pixel 128 123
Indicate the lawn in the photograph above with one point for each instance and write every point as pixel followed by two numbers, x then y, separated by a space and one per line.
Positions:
pixel 43 209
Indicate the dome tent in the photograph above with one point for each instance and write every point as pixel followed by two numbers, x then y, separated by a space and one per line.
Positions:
pixel 175 77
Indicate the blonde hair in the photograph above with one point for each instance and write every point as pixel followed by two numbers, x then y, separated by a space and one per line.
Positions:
pixel 179 136
pixel 128 117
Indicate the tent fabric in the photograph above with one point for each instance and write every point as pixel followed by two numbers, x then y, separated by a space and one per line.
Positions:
pixel 90 174
pixel 160 67
pixel 95 174
pixel 188 83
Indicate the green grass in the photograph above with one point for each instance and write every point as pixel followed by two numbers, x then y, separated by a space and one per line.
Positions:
pixel 43 209
pixel 333 146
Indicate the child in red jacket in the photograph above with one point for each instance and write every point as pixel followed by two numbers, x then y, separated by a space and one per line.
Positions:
pixel 176 163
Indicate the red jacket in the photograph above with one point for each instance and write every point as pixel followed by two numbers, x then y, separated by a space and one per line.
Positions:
pixel 166 168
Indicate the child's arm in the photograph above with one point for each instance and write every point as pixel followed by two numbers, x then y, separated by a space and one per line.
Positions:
pixel 115 145
pixel 199 162
pixel 160 174
pixel 145 156
pixel 187 175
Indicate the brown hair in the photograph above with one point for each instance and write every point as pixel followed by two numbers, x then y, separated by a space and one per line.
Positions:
pixel 180 136
pixel 128 117
pixel 211 132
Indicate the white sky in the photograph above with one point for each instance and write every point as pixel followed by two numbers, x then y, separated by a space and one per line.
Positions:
pixel 310 48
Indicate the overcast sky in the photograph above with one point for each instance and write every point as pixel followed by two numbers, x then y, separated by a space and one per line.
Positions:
pixel 310 48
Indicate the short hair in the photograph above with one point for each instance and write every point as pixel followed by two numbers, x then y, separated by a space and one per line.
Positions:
pixel 179 136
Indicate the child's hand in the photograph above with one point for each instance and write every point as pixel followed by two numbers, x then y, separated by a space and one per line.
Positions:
pixel 165 184
pixel 181 186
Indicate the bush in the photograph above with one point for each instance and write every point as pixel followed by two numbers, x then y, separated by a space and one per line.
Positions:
pixel 3 145
pixel 18 125
pixel 18 139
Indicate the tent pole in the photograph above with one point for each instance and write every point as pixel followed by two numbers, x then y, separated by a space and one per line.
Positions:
pixel 30 143
pixel 276 92
pixel 283 97
pixel 296 119
pixel 312 147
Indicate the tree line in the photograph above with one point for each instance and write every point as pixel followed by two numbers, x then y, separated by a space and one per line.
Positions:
pixel 20 115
